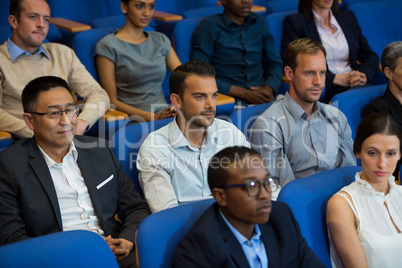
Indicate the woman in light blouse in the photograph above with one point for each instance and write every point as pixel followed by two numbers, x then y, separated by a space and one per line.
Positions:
pixel 350 60
pixel 364 218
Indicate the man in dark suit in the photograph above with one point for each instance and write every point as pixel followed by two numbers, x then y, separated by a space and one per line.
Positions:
pixel 363 61
pixel 244 228
pixel 57 181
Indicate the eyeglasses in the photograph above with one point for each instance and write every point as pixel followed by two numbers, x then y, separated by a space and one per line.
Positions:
pixel 71 112
pixel 253 188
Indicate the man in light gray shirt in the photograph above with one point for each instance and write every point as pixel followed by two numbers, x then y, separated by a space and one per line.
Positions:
pixel 299 136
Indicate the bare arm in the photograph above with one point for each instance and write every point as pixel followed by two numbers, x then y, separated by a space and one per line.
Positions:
pixel 172 61
pixel 342 226
pixel 106 70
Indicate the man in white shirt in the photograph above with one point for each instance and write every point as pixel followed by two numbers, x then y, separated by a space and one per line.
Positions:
pixel 173 161
pixel 24 57
pixel 57 181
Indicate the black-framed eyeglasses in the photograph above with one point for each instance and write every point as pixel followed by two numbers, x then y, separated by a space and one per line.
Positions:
pixel 253 188
pixel 70 112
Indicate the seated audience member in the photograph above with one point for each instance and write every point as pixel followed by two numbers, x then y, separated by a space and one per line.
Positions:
pixel 57 181
pixel 244 228
pixel 351 61
pixel 173 161
pixel 132 64
pixel 364 218
pixel 299 136
pixel 24 57
pixel 240 46
pixel 391 101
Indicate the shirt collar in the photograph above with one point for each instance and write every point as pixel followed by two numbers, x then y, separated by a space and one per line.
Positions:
pixel 318 19
pixel 251 19
pixel 242 240
pixel 295 110
pixel 15 51
pixel 177 139
pixel 50 162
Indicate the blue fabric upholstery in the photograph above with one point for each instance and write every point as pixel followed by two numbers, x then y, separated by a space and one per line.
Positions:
pixel 352 103
pixel 62 250
pixel 5 143
pixel 182 37
pixel 380 22
pixel 308 197
pixel 127 141
pixel 275 23
pixel 244 118
pixel 281 5
pixel 159 234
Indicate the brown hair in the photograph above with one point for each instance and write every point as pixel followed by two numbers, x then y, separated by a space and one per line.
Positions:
pixel 301 46
pixel 306 7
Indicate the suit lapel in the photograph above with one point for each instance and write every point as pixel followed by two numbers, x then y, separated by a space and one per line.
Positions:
pixel 42 172
pixel 312 31
pixel 349 35
pixel 271 247
pixel 234 248
pixel 85 166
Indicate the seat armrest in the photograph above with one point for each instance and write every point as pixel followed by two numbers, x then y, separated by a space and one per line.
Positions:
pixel 256 9
pixel 166 17
pixel 224 99
pixel 4 135
pixel 114 115
pixel 69 25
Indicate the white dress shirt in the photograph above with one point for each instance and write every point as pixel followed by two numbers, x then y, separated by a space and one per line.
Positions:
pixel 77 212
pixel 335 44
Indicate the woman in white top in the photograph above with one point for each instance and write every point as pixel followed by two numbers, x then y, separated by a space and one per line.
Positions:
pixel 350 60
pixel 365 218
pixel 132 64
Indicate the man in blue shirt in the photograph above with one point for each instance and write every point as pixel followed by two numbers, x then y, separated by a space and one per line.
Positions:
pixel 244 228
pixel 240 46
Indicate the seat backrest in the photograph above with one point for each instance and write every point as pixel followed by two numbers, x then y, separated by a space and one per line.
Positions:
pixel 244 118
pixel 347 3
pixel 159 233
pixel 308 198
pixel 275 23
pixel 380 22
pixel 353 102
pixel 127 141
pixel 63 250
pixel 281 5
pixel 79 10
pixel 182 33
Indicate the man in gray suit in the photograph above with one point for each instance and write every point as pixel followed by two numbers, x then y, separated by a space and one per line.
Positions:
pixel 57 181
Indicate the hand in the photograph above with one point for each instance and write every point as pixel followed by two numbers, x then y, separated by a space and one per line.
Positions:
pixel 342 80
pixel 358 79
pixel 81 127
pixel 120 247
pixel 258 95
pixel 166 113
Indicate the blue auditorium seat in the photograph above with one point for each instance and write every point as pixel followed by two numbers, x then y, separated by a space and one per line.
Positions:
pixel 244 118
pixel 127 141
pixel 352 103
pixel 62 250
pixel 159 233
pixel 308 198
pixel 380 22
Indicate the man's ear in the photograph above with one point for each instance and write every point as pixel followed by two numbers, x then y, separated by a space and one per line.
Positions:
pixel 288 73
pixel 28 120
pixel 220 196
pixel 175 100
pixel 388 73
pixel 13 21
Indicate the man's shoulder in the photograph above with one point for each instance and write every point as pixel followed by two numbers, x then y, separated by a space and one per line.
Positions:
pixel 18 150
pixel 272 113
pixel 57 50
pixel 159 136
pixel 331 112
pixel 206 223
pixel 210 20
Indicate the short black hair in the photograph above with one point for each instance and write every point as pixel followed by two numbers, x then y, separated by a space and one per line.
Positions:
pixel 32 90
pixel 193 67
pixel 220 162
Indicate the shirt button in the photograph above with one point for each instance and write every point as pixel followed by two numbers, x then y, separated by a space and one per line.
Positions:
pixel 248 243
pixel 257 249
